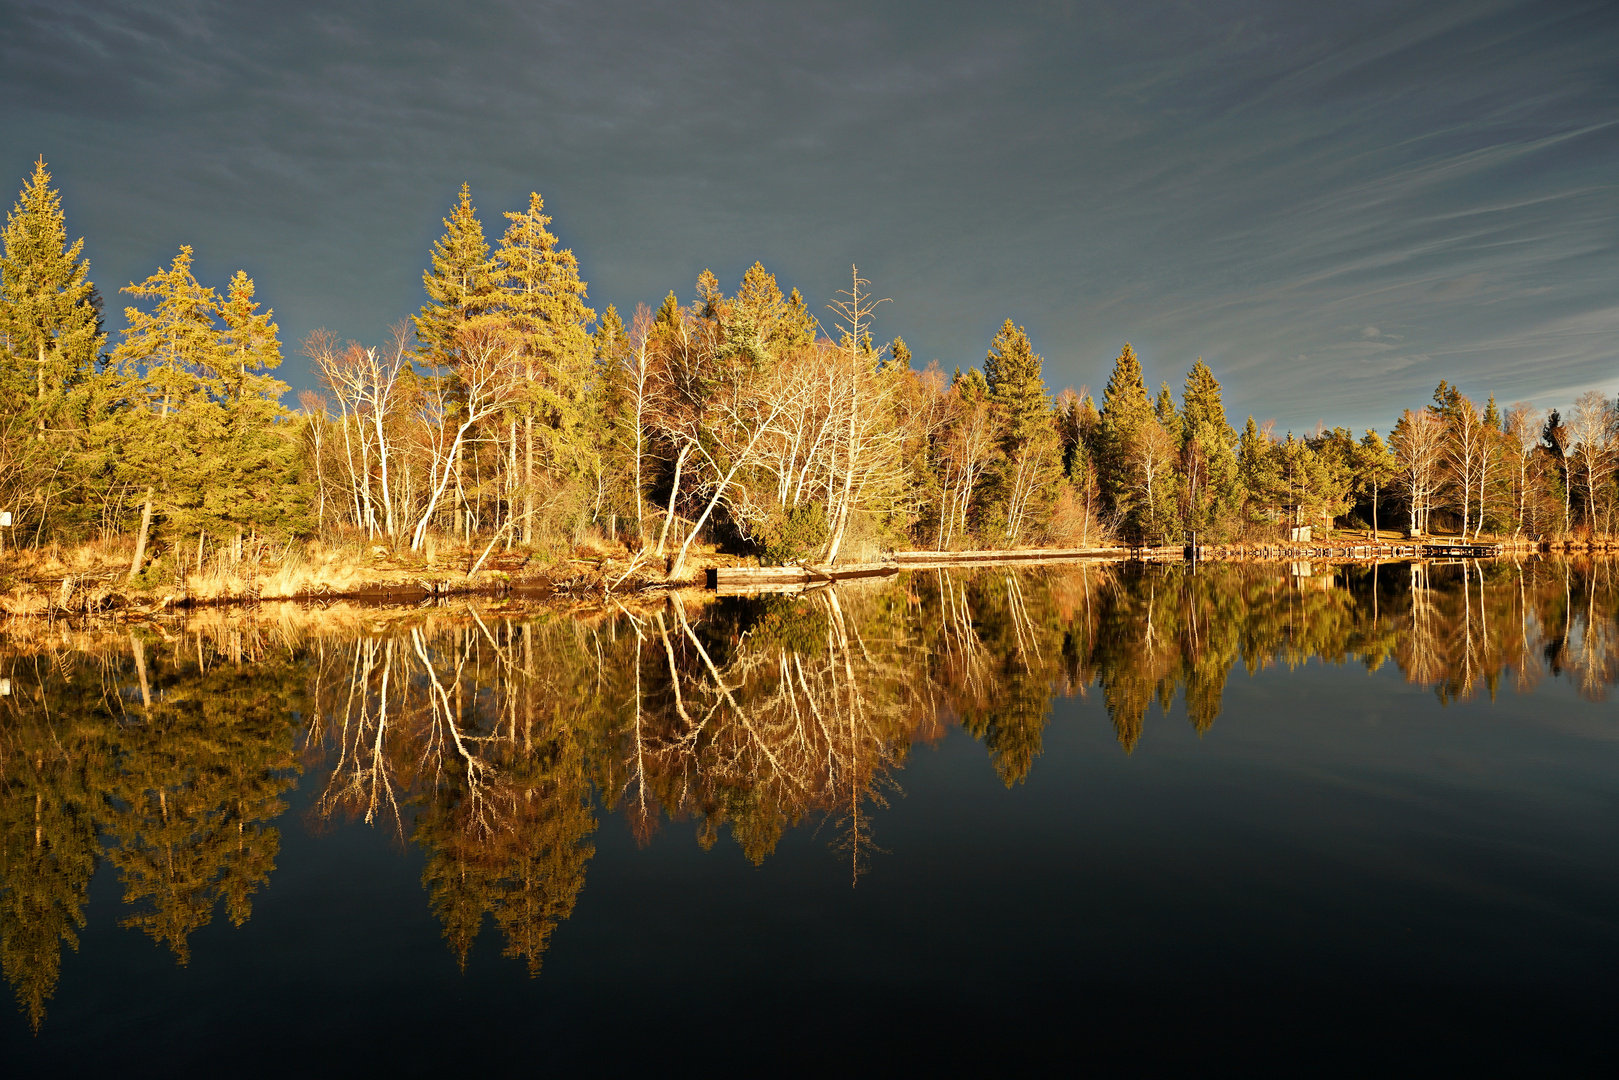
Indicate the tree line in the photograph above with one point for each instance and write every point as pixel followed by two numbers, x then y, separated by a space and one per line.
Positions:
pixel 509 412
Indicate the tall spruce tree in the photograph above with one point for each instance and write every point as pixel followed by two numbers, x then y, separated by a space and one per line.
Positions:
pixel 256 481
pixel 49 312
pixel 205 436
pixel 460 284
pixel 160 359
pixel 1030 455
pixel 1256 468
pixel 1213 488
pixel 1016 388
pixel 1125 408
pixel 1376 469
pixel 541 300
pixel 1164 409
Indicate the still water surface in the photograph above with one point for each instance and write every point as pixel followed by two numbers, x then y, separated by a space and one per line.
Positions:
pixel 1251 817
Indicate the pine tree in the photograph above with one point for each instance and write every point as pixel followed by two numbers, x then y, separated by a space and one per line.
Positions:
pixel 1012 372
pixel 1377 468
pixel 542 301
pixel 205 434
pixel 250 349
pixel 460 285
pixel 1125 408
pixel 255 480
pixel 669 316
pixel 1164 409
pixel 164 357
pixel 49 312
pixel 761 321
pixel 1030 462
pixel 1256 467
pixel 1213 489
pixel 175 346
pixel 799 326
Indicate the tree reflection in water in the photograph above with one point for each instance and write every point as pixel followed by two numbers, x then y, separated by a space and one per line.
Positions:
pixel 489 739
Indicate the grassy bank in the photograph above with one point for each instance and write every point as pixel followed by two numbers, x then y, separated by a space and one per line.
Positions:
pixel 94 577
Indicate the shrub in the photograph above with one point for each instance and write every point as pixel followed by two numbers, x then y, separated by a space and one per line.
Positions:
pixel 797 533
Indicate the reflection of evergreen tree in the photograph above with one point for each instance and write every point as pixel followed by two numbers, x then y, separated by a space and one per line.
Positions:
pixel 1010 720
pixel 197 784
pixel 517 852
pixel 48 853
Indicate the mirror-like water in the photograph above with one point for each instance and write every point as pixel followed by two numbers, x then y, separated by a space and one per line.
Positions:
pixel 1246 815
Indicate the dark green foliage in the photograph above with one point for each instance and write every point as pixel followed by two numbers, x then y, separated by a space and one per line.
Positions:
pixel 792 535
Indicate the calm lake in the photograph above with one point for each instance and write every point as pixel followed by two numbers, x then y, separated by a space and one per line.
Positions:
pixel 1238 818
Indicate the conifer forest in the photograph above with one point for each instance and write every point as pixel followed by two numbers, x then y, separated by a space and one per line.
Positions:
pixel 509 414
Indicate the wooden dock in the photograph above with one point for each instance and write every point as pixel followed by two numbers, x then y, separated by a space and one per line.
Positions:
pixel 731 580
pixel 928 559
pixel 1460 550
pixel 728 581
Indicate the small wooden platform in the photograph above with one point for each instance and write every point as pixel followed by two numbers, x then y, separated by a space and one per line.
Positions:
pixel 1460 550
pixel 914 559
pixel 728 581
pixel 731 580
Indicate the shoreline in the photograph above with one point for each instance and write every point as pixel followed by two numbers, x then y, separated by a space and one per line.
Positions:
pixel 600 579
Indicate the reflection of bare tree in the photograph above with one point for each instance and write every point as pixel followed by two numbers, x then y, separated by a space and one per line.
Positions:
pixel 453 718
pixel 804 719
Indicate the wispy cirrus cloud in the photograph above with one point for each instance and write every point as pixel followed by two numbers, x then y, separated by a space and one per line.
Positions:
pixel 1260 185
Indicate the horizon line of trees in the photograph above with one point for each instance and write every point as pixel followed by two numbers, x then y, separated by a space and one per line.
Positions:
pixel 506 411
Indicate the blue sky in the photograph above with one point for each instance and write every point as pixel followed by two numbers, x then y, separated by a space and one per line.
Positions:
pixel 1335 205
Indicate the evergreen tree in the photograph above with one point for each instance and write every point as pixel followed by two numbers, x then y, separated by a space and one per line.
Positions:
pixel 798 327
pixel 1212 491
pixel 1016 388
pixel 49 311
pixel 205 434
pixel 1030 461
pixel 1336 470
pixel 1125 407
pixel 171 353
pixel 1376 468
pixel 250 349
pixel 255 479
pixel 668 315
pixel 760 321
pixel 164 358
pixel 1257 469
pixel 541 300
pixel 1164 409
pixel 460 284
pixel 899 354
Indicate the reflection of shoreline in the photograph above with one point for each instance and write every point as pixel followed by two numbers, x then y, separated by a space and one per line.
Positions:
pixel 484 735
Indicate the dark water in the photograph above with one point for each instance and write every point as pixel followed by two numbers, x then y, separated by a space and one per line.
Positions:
pixel 1242 820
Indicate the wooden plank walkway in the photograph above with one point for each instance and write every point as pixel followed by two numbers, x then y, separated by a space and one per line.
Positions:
pixel 1009 555
pixel 746 579
pixel 729 580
